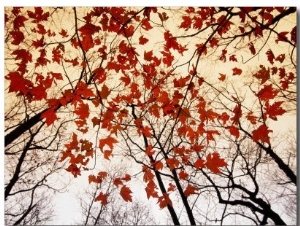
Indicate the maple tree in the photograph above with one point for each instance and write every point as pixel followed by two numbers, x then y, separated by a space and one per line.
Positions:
pixel 167 93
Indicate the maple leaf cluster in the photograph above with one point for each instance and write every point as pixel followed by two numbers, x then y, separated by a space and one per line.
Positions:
pixel 110 77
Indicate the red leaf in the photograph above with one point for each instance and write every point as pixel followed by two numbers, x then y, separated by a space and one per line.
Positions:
pixel 222 77
pixel 274 110
pixel 251 118
pixel 171 187
pixel 172 163
pixel 143 40
pixel 74 170
pixel 270 56
pixel 83 90
pixel 213 162
pixel 38 15
pixel 190 189
pixel 102 198
pixel 282 37
pixel 183 175
pixel 50 116
pixel 186 23
pixel 261 134
pixel 252 49
pixel 234 131
pixel 148 55
pixel 82 110
pixel 109 141
pixel 18 37
pixel 280 58
pixel 213 42
pixel 150 190
pixel 145 24
pixel 164 201
pixel 19 22
pixel 126 80
pixel 263 74
pixel 105 91
pixel 237 71
pixel 107 154
pixel 63 33
pixel 118 181
pixel 199 164
pixel 126 193
pixel 267 93
pixel 232 58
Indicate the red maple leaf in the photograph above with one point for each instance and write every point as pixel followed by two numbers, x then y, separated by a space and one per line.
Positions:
pixel 126 193
pixel 237 71
pixel 270 56
pixel 82 110
pixel 274 110
pixel 172 163
pixel 199 164
pixel 234 131
pixel 105 91
pixel 38 15
pixel 109 141
pixel 17 36
pixel 222 77
pixel 49 115
pixel 252 49
pixel 143 40
pixel 267 93
pixel 19 22
pixel 233 58
pixel 186 23
pixel 282 37
pixel 74 170
pixel 190 189
pixel 151 190
pixel 183 175
pixel 102 198
pixel 263 74
pixel 164 201
pixel 261 134
pixel 214 162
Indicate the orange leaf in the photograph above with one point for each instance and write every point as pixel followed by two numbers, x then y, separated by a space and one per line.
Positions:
pixel 126 193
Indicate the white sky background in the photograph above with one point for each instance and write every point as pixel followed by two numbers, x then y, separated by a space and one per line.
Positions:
pixel 70 201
